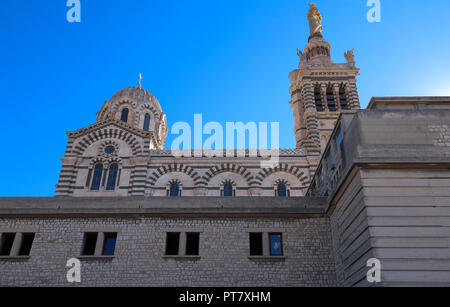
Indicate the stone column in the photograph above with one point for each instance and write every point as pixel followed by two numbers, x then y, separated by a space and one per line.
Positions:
pixel 336 94
pixel 323 89
pixel 67 178
pixel 105 174
pixel 353 96
pixel 99 245
pixel 138 176
pixel 182 244
pixel 266 244
pixel 15 249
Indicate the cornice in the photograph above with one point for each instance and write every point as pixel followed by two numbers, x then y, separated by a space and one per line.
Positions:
pixel 103 123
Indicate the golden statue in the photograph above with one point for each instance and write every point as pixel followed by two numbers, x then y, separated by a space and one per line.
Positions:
pixel 315 20
pixel 140 80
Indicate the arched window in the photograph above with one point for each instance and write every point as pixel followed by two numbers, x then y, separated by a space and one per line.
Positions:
pixel 331 100
pixel 318 99
pixel 281 190
pixel 96 180
pixel 147 122
pixel 112 177
pixel 174 190
pixel 228 190
pixel 124 116
pixel 343 99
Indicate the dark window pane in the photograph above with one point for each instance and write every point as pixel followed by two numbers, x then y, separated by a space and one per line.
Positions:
pixel 256 244
pixel 343 99
pixel 90 241
pixel 192 244
pixel 6 243
pixel 110 149
pixel 147 122
pixel 331 100
pixel 228 190
pixel 318 100
pixel 98 171
pixel 124 116
pixel 281 190
pixel 174 190
pixel 109 246
pixel 112 177
pixel 276 245
pixel 172 244
pixel 27 243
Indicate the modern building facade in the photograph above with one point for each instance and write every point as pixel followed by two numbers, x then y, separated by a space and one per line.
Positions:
pixel 360 184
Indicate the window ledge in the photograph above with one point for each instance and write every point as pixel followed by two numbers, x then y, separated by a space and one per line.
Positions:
pixel 185 258
pixel 14 258
pixel 268 258
pixel 96 258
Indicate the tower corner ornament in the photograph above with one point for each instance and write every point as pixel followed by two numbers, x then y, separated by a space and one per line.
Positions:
pixel 350 56
pixel 314 19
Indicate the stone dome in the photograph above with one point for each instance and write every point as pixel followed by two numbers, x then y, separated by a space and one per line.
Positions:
pixel 138 108
pixel 140 95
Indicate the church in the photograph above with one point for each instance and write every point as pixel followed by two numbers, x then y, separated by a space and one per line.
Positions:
pixel 361 184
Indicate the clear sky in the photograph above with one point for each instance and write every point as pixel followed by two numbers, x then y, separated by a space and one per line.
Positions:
pixel 226 59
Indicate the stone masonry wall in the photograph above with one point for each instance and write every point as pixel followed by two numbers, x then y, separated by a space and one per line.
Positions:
pixel 139 257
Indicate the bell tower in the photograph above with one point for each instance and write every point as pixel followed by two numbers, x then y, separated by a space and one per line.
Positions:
pixel 320 89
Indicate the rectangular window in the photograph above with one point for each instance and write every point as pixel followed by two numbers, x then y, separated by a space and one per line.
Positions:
pixel 318 100
pixel 90 241
pixel 27 243
pixel 6 243
pixel 343 99
pixel 172 244
pixel 276 244
pixel 23 240
pixel 192 244
pixel 331 100
pixel 109 245
pixel 256 244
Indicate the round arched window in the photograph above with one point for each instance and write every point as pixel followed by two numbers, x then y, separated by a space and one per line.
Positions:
pixel 147 122
pixel 174 190
pixel 124 116
pixel 110 149
pixel 228 190
pixel 282 190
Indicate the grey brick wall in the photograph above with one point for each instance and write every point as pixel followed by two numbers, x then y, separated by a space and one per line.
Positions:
pixel 139 258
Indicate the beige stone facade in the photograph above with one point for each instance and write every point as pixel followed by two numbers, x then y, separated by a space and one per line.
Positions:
pixel 360 184
pixel 146 169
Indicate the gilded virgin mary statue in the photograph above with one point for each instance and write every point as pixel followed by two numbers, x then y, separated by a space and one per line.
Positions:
pixel 315 20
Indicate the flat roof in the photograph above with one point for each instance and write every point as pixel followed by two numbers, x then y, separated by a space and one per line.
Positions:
pixel 300 207
pixel 408 99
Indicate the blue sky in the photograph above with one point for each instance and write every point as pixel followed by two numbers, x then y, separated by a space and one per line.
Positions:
pixel 228 60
